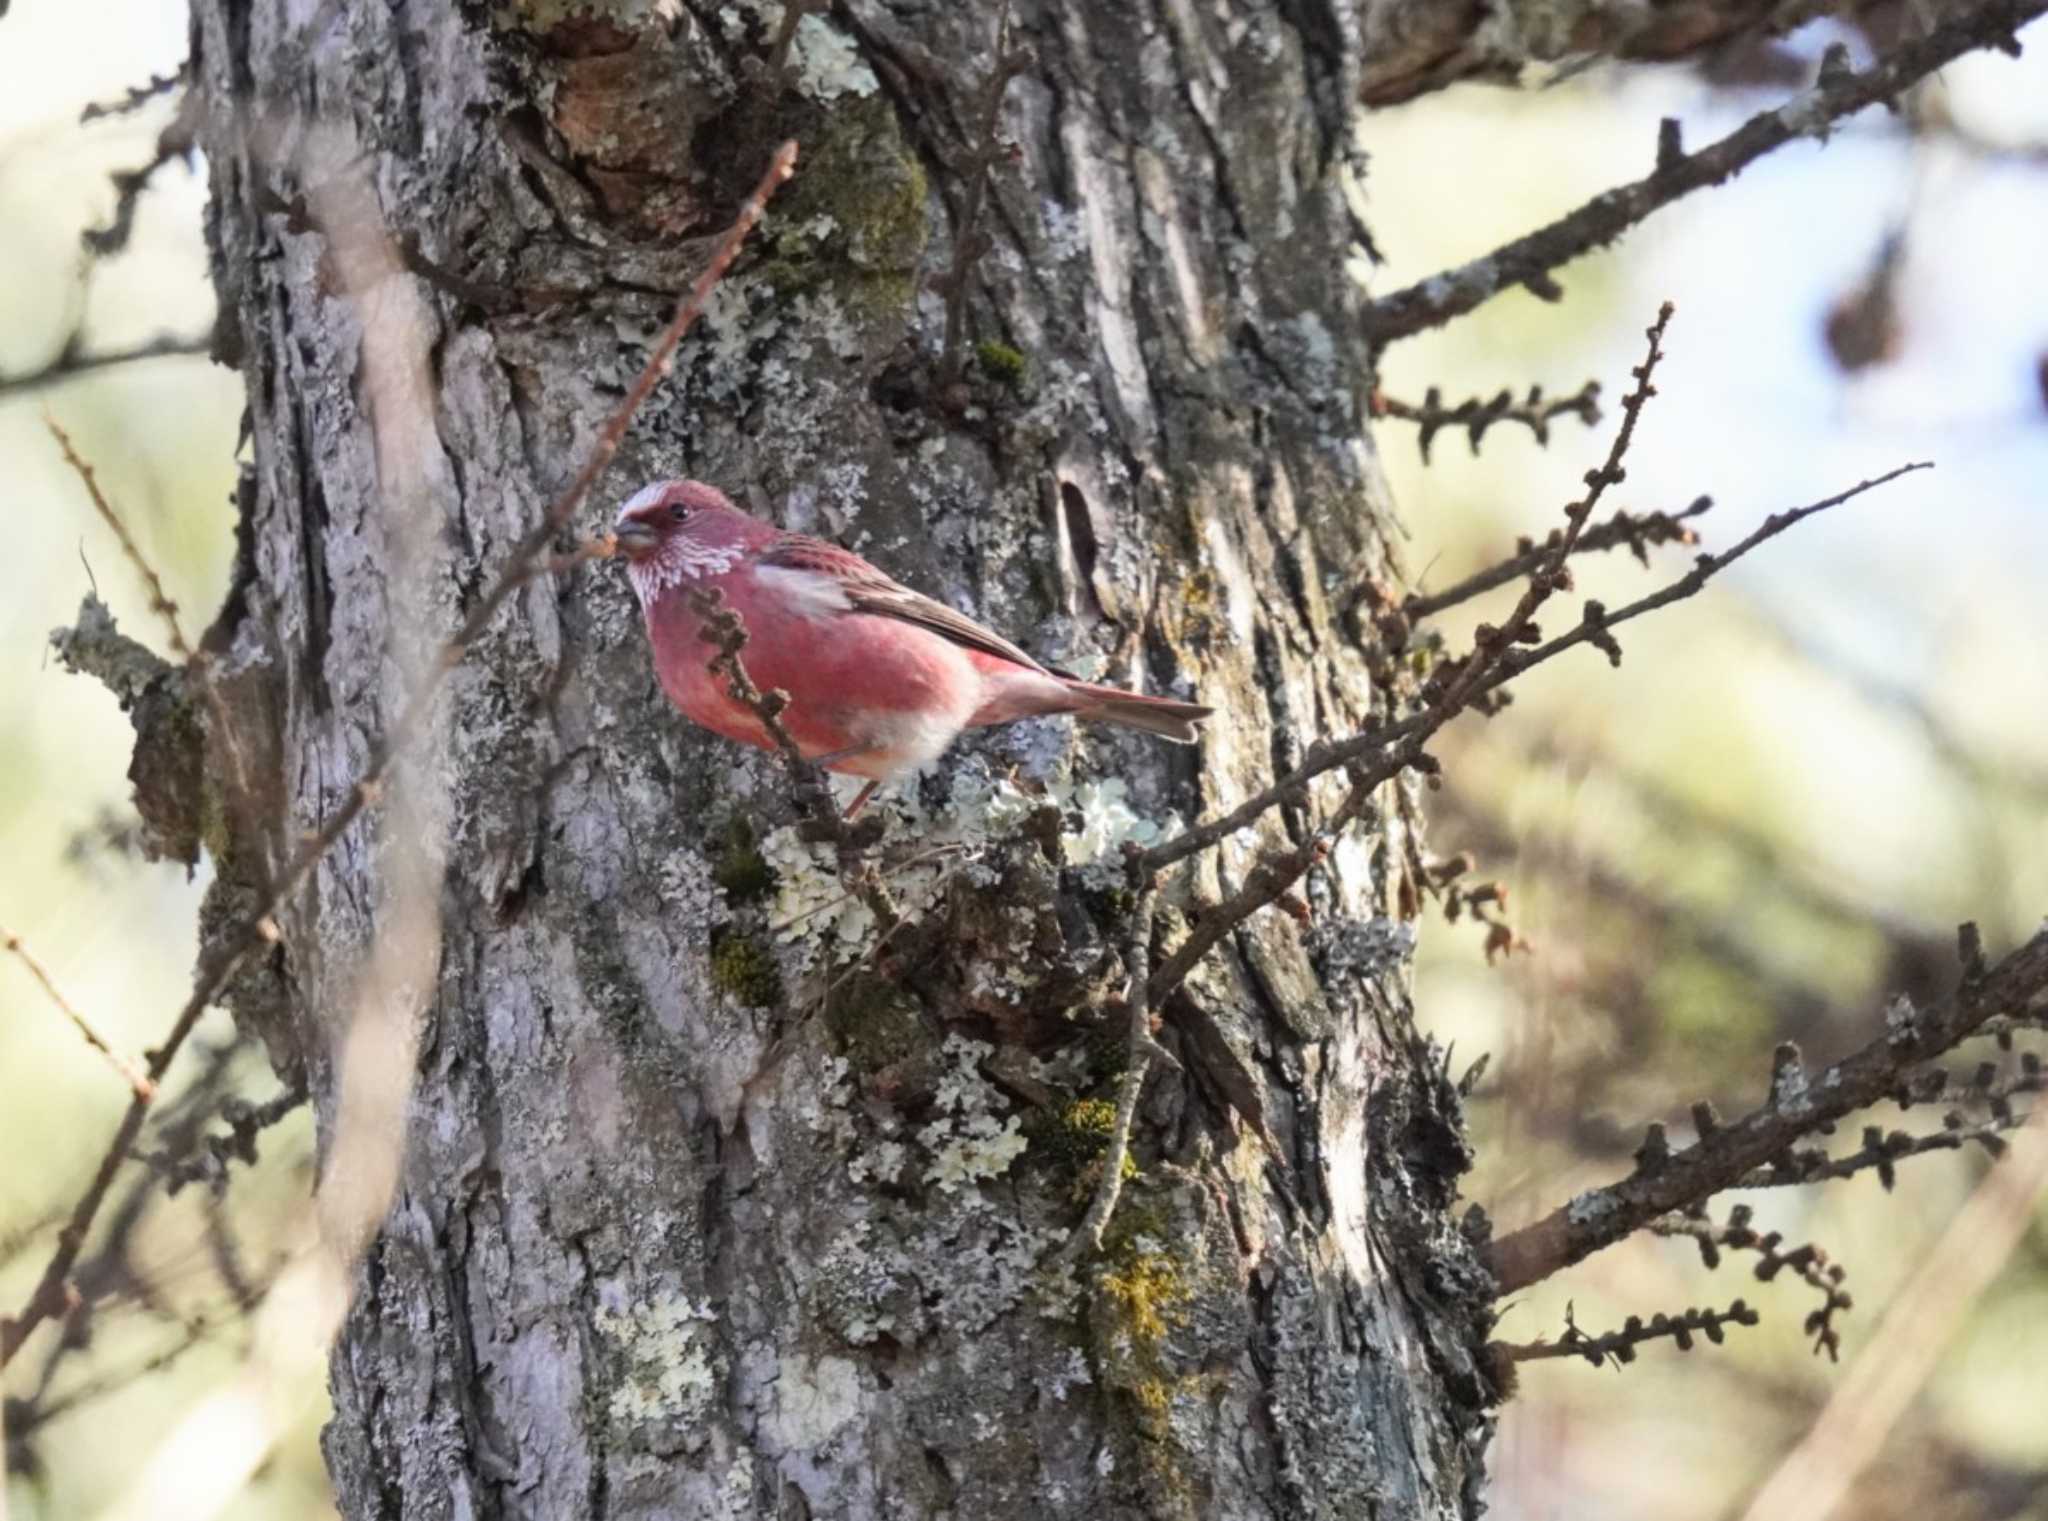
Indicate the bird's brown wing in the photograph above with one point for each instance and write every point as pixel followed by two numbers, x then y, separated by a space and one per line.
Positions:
pixel 868 590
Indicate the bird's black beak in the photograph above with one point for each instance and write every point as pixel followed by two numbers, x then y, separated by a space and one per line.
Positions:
pixel 636 539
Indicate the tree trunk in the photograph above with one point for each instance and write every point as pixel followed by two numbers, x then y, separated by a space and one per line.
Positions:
pixel 701 1215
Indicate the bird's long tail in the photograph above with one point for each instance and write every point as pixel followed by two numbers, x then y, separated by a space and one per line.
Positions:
pixel 1164 716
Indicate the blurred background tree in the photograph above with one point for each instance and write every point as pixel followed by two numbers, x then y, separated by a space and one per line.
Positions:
pixel 1759 828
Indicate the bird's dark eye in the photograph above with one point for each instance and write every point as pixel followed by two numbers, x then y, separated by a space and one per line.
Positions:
pixel 679 512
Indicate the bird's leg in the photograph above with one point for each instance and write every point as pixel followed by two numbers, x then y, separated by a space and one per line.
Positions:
pixel 832 757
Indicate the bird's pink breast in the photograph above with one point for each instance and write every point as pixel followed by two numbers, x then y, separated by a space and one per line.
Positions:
pixel 856 681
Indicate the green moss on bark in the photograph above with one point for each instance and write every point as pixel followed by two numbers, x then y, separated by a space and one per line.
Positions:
pixel 743 967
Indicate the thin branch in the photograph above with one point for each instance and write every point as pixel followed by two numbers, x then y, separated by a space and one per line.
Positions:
pixel 1452 689
pixel 1881 1383
pixel 1139 1047
pixel 793 14
pixel 725 631
pixel 1534 412
pixel 176 141
pixel 1883 1150
pixel 1807 1262
pixel 135 97
pixel 1467 677
pixel 138 1084
pixel 51 1294
pixel 1271 877
pixel 198 664
pixel 159 602
pixel 207 1159
pixel 1636 532
pixel 1528 260
pixel 1620 1346
pixel 1800 1104
pixel 1594 627
pixel 74 360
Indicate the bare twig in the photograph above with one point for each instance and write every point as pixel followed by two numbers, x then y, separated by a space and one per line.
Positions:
pixel 159 601
pixel 228 953
pixel 1807 1261
pixel 1620 1346
pixel 793 13
pixel 1883 1150
pixel 199 664
pixel 1800 1105
pixel 138 1083
pixel 1138 1039
pixel 1269 878
pixel 135 97
pixel 1636 532
pixel 1534 412
pixel 1594 627
pixel 74 359
pixel 1917 1325
pixel 1528 260
pixel 1453 688
pixel 176 141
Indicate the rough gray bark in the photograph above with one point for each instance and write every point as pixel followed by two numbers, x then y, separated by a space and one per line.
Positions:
pixel 684 1230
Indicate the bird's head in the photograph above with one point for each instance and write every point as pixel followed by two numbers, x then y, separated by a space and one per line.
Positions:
pixel 677 531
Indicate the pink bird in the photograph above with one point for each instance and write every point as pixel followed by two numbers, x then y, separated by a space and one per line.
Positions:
pixel 880 678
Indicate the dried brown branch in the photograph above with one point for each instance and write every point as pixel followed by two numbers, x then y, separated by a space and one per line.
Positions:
pixel 1534 412
pixel 1399 738
pixel 1800 1105
pixel 138 1083
pixel 1987 1089
pixel 159 601
pixel 198 664
pixel 1459 683
pixel 1841 92
pixel 1807 1262
pixel 1637 532
pixel 1874 1394
pixel 1271 876
pixel 1620 1346
pixel 51 1294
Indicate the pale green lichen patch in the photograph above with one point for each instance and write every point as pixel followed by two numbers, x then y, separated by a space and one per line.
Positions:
pixel 820 922
pixel 668 1370
pixel 970 1141
pixel 824 62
